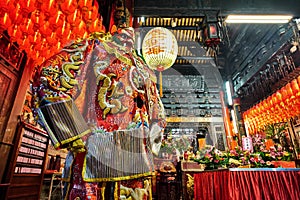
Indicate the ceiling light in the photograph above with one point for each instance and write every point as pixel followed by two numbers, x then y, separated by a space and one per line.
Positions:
pixel 264 19
pixel 228 93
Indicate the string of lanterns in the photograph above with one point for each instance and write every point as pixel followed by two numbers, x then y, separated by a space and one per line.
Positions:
pixel 43 26
pixel 279 107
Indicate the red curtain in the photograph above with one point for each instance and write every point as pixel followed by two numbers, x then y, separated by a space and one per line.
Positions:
pixel 210 185
pixel 247 185
pixel 267 185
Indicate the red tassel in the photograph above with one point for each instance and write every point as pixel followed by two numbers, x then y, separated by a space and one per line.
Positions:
pixel 160 84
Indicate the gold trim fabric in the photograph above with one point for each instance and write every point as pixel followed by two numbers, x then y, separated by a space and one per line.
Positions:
pixel 121 155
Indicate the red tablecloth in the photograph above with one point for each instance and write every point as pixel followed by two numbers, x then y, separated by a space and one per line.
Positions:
pixel 243 184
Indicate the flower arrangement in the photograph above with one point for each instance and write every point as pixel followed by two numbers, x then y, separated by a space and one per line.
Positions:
pixel 276 153
pixel 275 131
pixel 273 153
pixel 237 157
pixel 258 143
pixel 263 155
pixel 246 158
pixel 211 157
pixel 171 144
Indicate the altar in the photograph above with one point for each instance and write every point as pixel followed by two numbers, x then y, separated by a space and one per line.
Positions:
pixel 247 183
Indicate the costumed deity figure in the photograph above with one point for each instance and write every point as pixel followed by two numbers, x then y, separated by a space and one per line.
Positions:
pixel 98 99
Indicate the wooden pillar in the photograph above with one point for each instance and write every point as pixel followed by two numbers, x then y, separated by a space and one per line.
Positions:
pixel 226 119
pixel 239 119
pixel 8 139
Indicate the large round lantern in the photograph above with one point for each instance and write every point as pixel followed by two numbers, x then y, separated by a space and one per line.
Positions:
pixel 160 50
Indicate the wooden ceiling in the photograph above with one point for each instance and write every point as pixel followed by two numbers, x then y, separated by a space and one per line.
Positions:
pixel 245 49
pixel 191 8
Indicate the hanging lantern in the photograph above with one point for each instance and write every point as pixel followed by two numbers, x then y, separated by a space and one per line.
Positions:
pixel 59 2
pixel 63 32
pixel 56 48
pixel 5 7
pixel 14 33
pixel 85 5
pixel 27 6
pixel 4 22
pixel 74 19
pixel 160 50
pixel 79 30
pixel 24 43
pixel 56 21
pixel 96 26
pixel 296 90
pixel 27 28
pixel 38 4
pixel 51 39
pixel 49 9
pixel 69 35
pixel 45 31
pixel 211 35
pixel 68 7
pixel 90 15
pixel 16 16
pixel 41 46
pixel 37 19
pixel 34 39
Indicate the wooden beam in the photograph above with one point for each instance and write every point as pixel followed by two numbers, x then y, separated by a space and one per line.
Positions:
pixel 175 8
pixel 266 57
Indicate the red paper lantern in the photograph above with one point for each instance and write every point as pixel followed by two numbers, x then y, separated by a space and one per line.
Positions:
pixel 14 33
pixel 45 31
pixel 96 26
pixel 269 102
pixel 296 92
pixel 61 32
pixel 41 46
pixel 5 22
pixel 79 30
pixel 90 15
pixel 16 16
pixel 27 6
pixel 49 9
pixel 27 28
pixel 85 5
pixel 34 39
pixel 5 7
pixel 24 43
pixel 290 94
pixel 59 2
pixel 68 7
pixel 74 19
pixel 37 18
pixel 298 81
pixel 56 21
pixel 295 87
pixel 51 39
